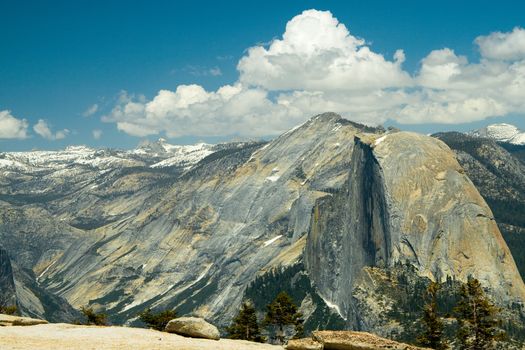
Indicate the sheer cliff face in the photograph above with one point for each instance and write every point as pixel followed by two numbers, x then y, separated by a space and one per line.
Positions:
pixel 332 194
pixel 348 231
pixel 7 282
pixel 406 200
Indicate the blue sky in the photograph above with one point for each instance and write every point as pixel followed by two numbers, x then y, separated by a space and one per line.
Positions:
pixel 61 58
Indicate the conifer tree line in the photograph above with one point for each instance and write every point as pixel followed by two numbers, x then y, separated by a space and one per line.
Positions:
pixel 281 315
pixel 478 325
pixel 477 318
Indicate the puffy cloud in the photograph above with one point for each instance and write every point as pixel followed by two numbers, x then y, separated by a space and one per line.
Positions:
pixel 44 130
pixel 319 53
pixel 11 127
pixel 318 66
pixel 191 110
pixel 91 110
pixel 440 67
pixel 97 134
pixel 452 90
pixel 503 46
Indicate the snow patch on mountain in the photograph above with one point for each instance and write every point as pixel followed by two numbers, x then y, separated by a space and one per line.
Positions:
pixel 157 154
pixel 270 241
pixel 501 132
pixel 185 155
pixel 35 161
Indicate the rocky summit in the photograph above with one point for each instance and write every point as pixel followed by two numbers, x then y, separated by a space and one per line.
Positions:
pixel 330 210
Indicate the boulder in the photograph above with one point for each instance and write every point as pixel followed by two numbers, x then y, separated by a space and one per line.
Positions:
pixel 193 327
pixel 10 320
pixel 350 340
pixel 304 344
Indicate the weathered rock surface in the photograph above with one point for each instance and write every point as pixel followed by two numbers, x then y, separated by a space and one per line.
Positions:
pixel 348 340
pixel 60 336
pixel 10 320
pixel 406 199
pixel 193 327
pixel 439 221
pixel 304 344
pixel 498 171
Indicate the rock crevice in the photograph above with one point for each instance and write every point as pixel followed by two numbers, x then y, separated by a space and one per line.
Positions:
pixel 348 231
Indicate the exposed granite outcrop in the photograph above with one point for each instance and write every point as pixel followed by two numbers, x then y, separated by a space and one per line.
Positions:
pixel 445 227
pixel 193 327
pixel 12 320
pixel 406 200
pixel 61 336
pixel 348 340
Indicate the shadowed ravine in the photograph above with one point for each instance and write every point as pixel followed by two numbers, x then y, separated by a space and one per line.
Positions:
pixel 349 230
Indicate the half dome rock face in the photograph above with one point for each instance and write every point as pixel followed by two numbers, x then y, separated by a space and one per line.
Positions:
pixel 439 221
pixel 406 199
pixel 332 200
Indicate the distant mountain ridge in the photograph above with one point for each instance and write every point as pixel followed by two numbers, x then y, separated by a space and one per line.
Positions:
pixel 501 132
pixel 157 154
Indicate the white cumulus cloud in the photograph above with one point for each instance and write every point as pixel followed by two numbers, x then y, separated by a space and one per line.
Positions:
pixel 44 130
pixel 317 66
pixel 12 127
pixel 453 90
pixel 503 46
pixel 191 110
pixel 319 53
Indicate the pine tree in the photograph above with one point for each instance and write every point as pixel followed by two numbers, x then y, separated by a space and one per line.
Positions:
pixel 8 310
pixel 94 318
pixel 477 318
pixel 432 336
pixel 245 325
pixel 299 328
pixel 283 312
pixel 158 320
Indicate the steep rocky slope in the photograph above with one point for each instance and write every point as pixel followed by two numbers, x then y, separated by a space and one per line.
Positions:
pixel 51 200
pixel 7 281
pixel 498 171
pixel 328 199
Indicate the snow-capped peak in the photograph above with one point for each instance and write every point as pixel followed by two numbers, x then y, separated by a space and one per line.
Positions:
pixel 157 154
pixel 185 155
pixel 502 132
pixel 159 147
